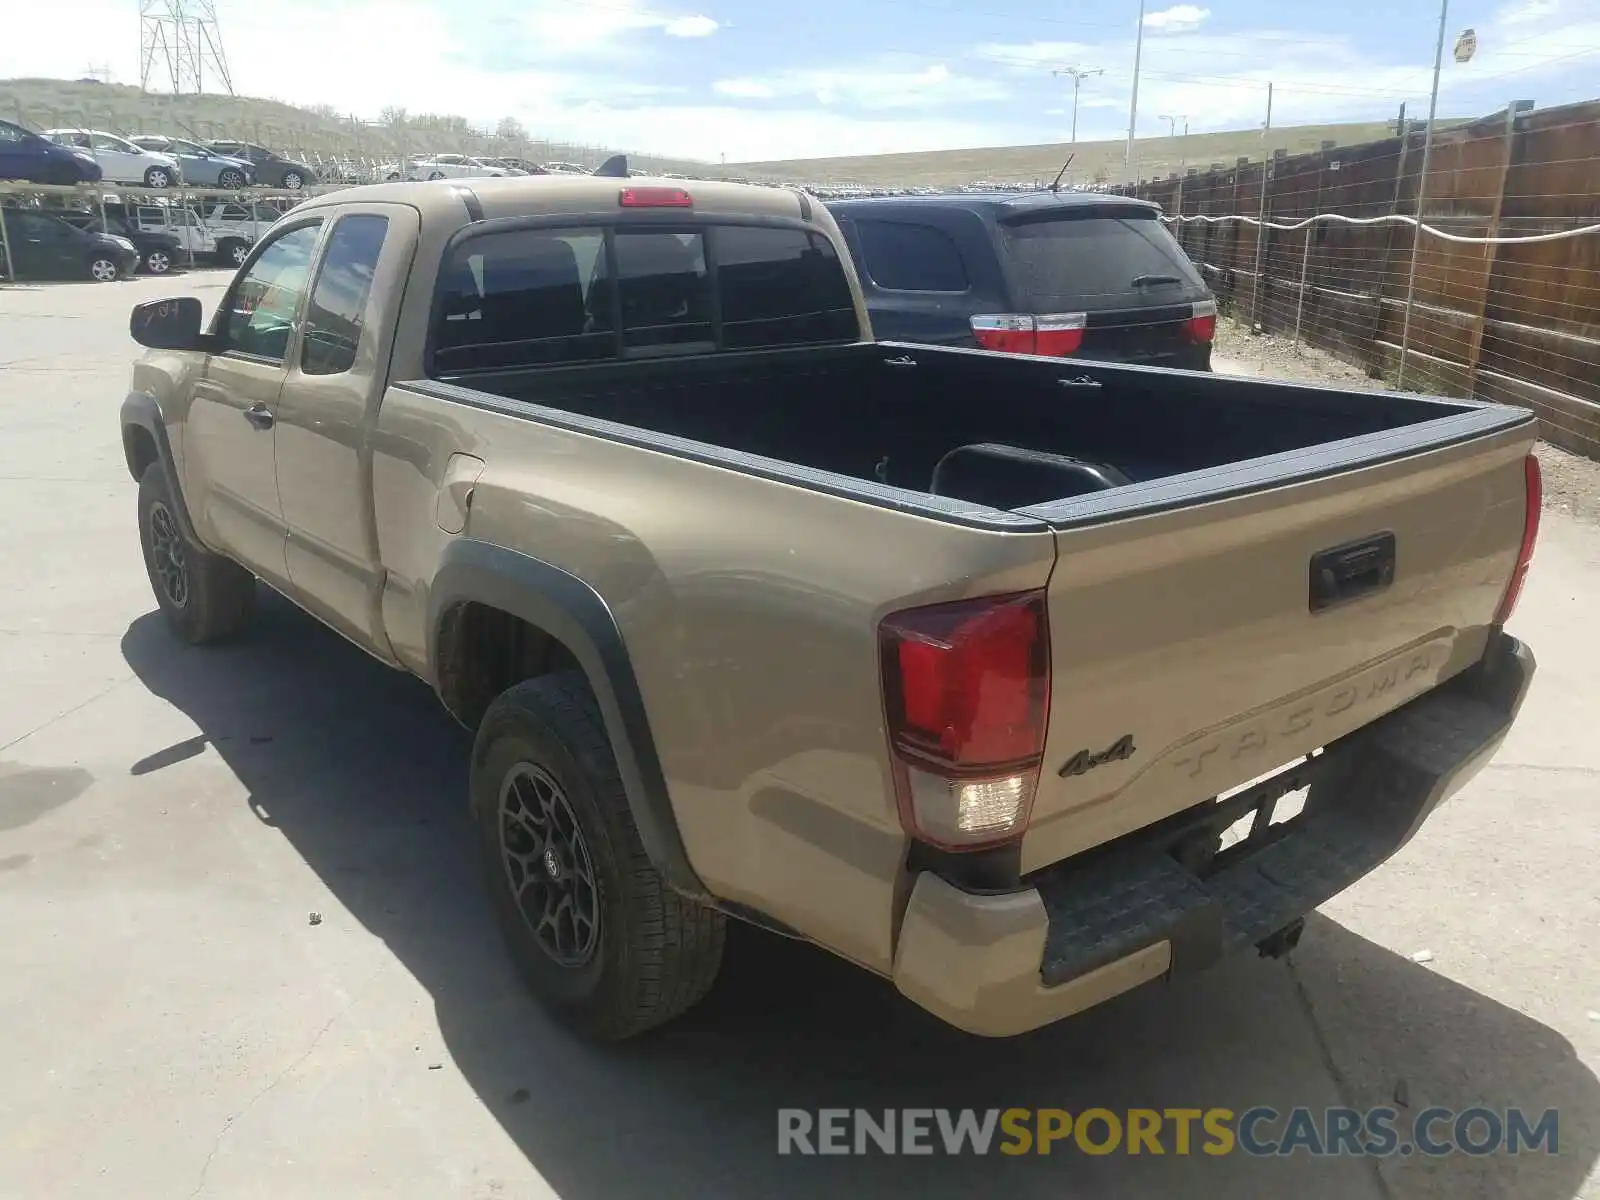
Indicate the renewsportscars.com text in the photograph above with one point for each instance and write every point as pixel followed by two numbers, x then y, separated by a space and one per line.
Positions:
pixel 1258 1132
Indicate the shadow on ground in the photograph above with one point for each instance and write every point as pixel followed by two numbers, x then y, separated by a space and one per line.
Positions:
pixel 360 769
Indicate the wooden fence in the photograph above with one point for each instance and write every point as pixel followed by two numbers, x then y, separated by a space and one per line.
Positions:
pixel 1518 323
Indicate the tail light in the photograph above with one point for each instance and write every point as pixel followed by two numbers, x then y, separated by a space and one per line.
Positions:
pixel 654 197
pixel 1051 334
pixel 1202 326
pixel 1534 483
pixel 967 693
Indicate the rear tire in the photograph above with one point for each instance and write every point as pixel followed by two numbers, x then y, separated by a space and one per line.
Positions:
pixel 432 175
pixel 233 252
pixel 203 596
pixel 557 836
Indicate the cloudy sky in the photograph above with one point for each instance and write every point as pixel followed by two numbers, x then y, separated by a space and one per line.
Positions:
pixel 754 79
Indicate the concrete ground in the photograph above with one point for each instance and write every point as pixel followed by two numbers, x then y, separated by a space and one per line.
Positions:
pixel 173 1023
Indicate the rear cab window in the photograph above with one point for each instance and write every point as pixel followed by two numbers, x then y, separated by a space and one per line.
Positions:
pixel 1060 262
pixel 548 296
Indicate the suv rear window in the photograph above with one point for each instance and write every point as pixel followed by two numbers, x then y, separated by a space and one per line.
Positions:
pixel 1093 262
pixel 547 296
pixel 906 257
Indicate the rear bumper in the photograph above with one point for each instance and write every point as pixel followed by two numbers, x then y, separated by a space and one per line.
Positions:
pixel 1099 924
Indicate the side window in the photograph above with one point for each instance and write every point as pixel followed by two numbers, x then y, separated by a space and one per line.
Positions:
pixel 102 141
pixel 9 133
pixel 666 291
pixel 339 299
pixel 523 298
pixel 781 287
pixel 910 258
pixel 261 307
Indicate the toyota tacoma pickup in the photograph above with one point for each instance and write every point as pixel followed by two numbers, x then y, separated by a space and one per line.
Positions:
pixel 1018 681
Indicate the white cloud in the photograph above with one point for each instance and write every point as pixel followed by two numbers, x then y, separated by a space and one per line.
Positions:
pixel 1525 11
pixel 866 87
pixel 690 27
pixel 1180 18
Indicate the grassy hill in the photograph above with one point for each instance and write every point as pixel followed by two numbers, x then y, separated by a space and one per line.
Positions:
pixel 1092 160
pixel 320 133
pixel 313 133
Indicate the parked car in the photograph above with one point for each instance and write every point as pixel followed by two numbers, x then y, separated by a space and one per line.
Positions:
pixel 33 158
pixel 508 166
pixel 1067 275
pixel 959 664
pixel 200 165
pixel 444 166
pixel 120 160
pixel 159 251
pixel 272 169
pixel 235 226
pixel 43 246
pixel 526 165
pixel 565 168
pixel 196 238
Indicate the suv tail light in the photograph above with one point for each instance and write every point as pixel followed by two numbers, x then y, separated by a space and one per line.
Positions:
pixel 967 692
pixel 1052 334
pixel 654 197
pixel 1202 326
pixel 1534 483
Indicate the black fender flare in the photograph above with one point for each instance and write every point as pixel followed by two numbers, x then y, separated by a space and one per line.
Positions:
pixel 569 610
pixel 141 411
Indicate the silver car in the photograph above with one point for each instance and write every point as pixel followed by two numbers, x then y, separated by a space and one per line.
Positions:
pixel 201 167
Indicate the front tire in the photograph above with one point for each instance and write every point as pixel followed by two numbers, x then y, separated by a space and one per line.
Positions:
pixel 233 253
pixel 158 262
pixel 293 180
pixel 203 596
pixel 592 927
pixel 432 175
pixel 104 269
pixel 231 179
pixel 158 177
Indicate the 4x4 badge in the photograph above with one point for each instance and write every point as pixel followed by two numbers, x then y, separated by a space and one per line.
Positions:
pixel 1083 762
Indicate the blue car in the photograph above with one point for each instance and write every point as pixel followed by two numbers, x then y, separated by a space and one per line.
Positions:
pixel 29 157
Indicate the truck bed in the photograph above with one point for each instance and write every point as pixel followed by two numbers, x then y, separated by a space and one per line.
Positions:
pixel 886 414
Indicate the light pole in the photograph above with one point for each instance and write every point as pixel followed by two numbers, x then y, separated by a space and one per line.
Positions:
pixel 1422 191
pixel 1078 76
pixel 1133 101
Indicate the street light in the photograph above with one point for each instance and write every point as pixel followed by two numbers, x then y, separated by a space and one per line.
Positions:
pixel 1078 76
pixel 1133 100
pixel 1466 46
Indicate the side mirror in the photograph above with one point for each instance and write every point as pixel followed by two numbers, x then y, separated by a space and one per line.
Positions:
pixel 167 324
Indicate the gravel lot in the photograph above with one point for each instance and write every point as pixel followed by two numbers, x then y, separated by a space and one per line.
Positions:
pixel 174 1024
pixel 1571 482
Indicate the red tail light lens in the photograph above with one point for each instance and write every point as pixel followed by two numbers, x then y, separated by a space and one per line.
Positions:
pixel 654 197
pixel 1051 334
pixel 1202 327
pixel 1534 483
pixel 967 694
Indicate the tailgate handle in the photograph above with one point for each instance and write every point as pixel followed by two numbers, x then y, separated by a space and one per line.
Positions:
pixel 1348 572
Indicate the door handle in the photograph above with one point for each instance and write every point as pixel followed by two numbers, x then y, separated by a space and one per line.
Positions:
pixel 259 416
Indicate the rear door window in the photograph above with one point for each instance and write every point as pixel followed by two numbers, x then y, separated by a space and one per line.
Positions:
pixel 780 287
pixel 338 305
pixel 1089 263
pixel 906 257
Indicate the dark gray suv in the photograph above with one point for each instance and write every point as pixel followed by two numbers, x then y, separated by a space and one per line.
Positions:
pixel 1069 274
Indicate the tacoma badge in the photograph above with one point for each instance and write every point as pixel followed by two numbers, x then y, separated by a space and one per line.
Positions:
pixel 1083 762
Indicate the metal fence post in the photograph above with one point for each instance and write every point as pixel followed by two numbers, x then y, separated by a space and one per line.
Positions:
pixel 1305 261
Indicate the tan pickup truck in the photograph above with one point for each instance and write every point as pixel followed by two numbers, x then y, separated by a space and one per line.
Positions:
pixel 959 664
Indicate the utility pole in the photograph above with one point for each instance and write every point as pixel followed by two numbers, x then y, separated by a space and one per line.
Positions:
pixel 1078 76
pixel 1261 228
pixel 1422 192
pixel 1133 101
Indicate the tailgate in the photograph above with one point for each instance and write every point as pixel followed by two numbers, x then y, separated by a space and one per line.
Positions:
pixel 1194 650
